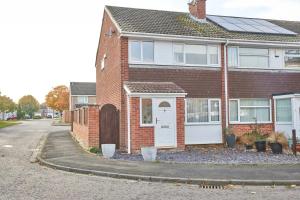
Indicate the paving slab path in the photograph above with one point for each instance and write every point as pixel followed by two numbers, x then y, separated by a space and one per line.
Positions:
pixel 61 151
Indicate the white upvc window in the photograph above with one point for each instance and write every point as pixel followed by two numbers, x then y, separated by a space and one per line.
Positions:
pixel 178 53
pixel 250 111
pixel 146 112
pixel 254 58
pixel 202 111
pixel 141 51
pixel 233 56
pixel 292 58
pixel 243 57
pixel 196 55
pixel 82 100
pixel 283 110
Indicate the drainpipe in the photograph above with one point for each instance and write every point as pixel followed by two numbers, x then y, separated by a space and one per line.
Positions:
pixel 226 82
pixel 128 125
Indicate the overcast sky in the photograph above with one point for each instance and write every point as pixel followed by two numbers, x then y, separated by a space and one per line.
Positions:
pixel 44 43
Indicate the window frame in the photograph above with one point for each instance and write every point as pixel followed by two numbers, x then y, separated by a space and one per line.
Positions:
pixel 85 98
pixel 210 122
pixel 141 113
pixel 291 56
pixel 141 61
pixel 239 111
pixel 208 64
pixel 275 116
pixel 238 56
pixel 252 55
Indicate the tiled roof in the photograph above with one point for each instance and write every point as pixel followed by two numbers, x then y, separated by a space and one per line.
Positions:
pixel 177 23
pixel 153 87
pixel 83 88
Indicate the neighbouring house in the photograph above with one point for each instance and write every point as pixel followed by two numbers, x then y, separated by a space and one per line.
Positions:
pixel 172 79
pixel 82 93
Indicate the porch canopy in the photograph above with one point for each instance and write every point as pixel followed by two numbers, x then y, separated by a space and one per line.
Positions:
pixel 153 88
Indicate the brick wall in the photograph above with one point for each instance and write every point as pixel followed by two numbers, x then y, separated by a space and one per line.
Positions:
pixel 240 129
pixel 87 134
pixel 109 84
pixel 66 116
pixel 180 117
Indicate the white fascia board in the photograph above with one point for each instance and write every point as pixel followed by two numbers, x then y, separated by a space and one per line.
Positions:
pixel 208 39
pixel 286 96
pixel 112 19
pixel 157 94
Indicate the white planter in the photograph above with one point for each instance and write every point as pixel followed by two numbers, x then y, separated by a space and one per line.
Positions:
pixel 149 153
pixel 108 150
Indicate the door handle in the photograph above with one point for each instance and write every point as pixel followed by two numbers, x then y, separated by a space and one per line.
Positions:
pixel 156 120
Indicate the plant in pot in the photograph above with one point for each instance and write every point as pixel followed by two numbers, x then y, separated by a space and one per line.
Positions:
pixel 277 141
pixel 230 137
pixel 260 142
pixel 149 153
pixel 260 139
pixel 248 140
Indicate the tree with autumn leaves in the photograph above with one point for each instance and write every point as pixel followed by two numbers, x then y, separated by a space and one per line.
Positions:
pixel 58 98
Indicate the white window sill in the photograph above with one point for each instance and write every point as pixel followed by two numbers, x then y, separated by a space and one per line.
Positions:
pixel 245 123
pixel 146 125
pixel 174 64
pixel 203 124
pixel 284 123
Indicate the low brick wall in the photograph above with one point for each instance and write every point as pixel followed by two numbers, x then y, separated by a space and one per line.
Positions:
pixel 86 126
pixel 240 129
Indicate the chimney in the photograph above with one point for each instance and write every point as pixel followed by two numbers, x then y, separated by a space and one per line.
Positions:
pixel 198 9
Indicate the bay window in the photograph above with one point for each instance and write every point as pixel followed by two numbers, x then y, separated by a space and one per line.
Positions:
pixel 250 110
pixel 202 110
pixel 146 112
pixel 141 51
pixel 283 110
pixel 292 58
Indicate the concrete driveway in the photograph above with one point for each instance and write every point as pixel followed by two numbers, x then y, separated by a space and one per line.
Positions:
pixel 20 179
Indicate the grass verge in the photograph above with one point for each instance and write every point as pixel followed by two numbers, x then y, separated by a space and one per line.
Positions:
pixel 4 124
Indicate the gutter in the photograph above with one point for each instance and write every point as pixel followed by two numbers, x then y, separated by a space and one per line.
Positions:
pixel 207 39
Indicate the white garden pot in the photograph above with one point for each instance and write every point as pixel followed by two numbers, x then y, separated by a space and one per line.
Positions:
pixel 108 150
pixel 149 153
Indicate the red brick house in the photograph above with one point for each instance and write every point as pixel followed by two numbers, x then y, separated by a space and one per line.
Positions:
pixel 177 79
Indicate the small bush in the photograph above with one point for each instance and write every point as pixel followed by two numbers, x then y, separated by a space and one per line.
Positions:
pixel 95 150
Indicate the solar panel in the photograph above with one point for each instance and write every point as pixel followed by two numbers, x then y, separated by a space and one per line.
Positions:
pixel 247 25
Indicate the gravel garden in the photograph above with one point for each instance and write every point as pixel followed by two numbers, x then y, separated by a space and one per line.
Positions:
pixel 250 148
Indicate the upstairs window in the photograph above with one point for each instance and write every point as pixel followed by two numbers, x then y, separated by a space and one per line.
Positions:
pixel 82 100
pixel 196 55
pixel 254 58
pixel 178 53
pixel 141 51
pixel 292 58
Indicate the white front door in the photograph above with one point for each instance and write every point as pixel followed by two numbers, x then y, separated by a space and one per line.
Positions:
pixel 297 115
pixel 165 122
